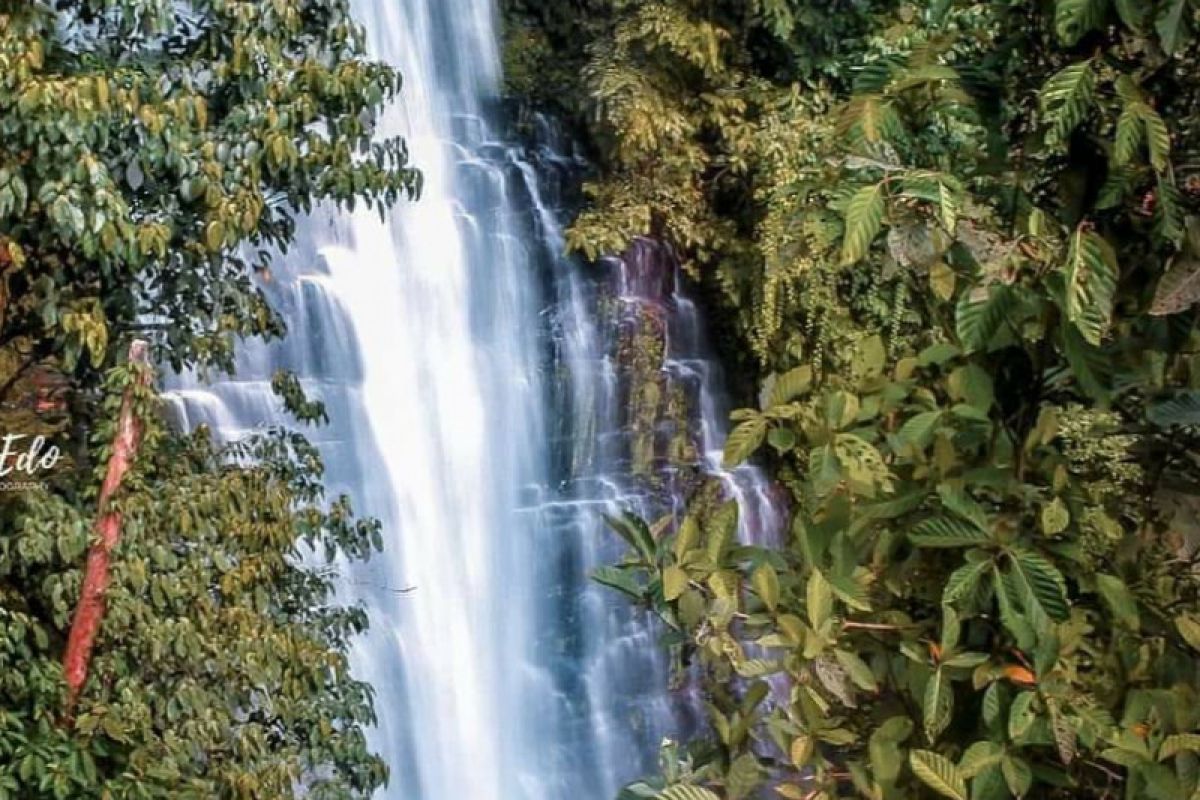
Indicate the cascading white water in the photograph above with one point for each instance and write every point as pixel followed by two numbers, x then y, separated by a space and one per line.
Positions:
pixel 478 410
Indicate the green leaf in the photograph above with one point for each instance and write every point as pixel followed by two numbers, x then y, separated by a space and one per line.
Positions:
pixel 766 583
pixel 1178 743
pixel 1074 18
pixel 1131 132
pixel 864 219
pixel 791 385
pixel 963 582
pixel 744 440
pixel 683 791
pixel 1021 715
pixel 1158 137
pixel 938 773
pixel 1132 13
pixel 618 579
pixel 1183 408
pixel 783 440
pixel 1172 25
pixel 1040 582
pixel 1089 364
pixel 1091 276
pixel 1055 517
pixel 633 530
pixel 1189 628
pixel 918 431
pixel 675 581
pixel 946 531
pixel 1067 98
pixel 1119 600
pixel 820 600
pixel 1017 774
pixel 743 777
pixel 688 537
pixel 979 756
pixel 938 706
pixel 858 670
pixel 980 313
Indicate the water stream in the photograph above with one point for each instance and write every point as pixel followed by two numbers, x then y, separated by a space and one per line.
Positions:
pixel 485 406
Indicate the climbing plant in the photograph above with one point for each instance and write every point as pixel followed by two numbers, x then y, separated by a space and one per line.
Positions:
pixel 959 244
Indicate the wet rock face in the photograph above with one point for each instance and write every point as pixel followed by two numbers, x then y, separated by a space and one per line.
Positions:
pixel 671 390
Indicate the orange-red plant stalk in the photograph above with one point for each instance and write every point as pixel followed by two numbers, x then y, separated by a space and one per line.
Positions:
pixel 89 614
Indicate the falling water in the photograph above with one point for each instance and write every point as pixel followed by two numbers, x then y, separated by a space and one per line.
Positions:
pixel 484 407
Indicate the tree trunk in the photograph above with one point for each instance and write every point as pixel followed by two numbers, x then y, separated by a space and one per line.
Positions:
pixel 90 612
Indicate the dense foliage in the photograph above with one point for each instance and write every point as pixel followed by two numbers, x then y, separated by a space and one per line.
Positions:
pixel 960 244
pixel 153 156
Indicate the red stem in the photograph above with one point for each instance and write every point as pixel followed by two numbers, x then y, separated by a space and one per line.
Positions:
pixel 90 612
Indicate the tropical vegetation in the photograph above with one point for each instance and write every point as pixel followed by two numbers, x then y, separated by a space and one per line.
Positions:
pixel 955 249
pixel 154 157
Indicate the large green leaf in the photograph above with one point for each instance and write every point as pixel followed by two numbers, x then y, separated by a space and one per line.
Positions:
pixel 946 531
pixel 964 581
pixel 864 219
pixel 744 440
pixel 634 530
pixel 1172 25
pixel 938 773
pixel 1182 408
pixel 1119 600
pixel 1089 365
pixel 938 706
pixel 1040 583
pixel 1091 284
pixel 1074 18
pixel 791 385
pixel 980 313
pixel 618 579
pixel 1068 97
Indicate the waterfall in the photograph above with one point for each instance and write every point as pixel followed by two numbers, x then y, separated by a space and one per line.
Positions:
pixel 482 410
